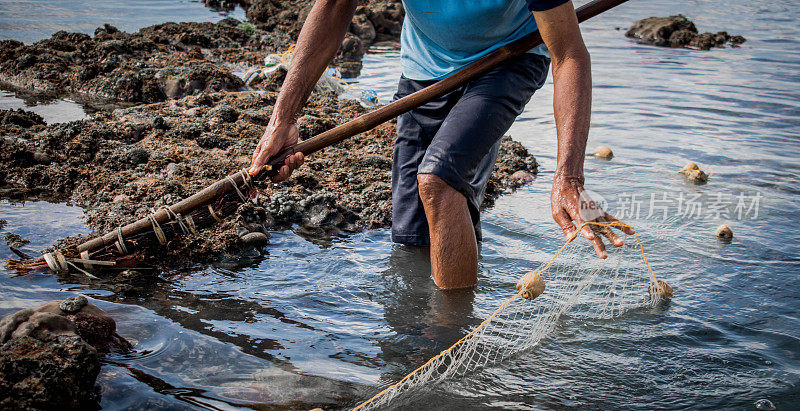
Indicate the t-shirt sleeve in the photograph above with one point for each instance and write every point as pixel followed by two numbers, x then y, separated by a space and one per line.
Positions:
pixel 542 5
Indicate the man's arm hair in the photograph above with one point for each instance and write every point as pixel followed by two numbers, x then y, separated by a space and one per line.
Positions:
pixel 572 80
pixel 320 37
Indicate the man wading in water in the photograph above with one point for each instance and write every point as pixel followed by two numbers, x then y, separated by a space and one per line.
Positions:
pixel 446 149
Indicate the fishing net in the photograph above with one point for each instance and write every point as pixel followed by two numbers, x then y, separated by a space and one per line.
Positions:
pixel 589 288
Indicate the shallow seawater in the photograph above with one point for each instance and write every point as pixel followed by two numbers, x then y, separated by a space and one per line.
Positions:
pixel 329 325
pixel 50 109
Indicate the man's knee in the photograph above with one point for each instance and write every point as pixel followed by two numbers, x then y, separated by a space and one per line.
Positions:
pixel 434 191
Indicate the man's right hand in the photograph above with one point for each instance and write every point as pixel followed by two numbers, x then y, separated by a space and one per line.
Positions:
pixel 275 139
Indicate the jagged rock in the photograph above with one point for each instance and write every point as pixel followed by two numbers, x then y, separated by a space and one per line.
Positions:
pixel 41 373
pixel 72 305
pixel 49 355
pixel 678 31
pixel 658 30
pixel 87 321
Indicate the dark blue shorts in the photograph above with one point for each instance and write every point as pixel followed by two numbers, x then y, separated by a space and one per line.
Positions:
pixel 456 138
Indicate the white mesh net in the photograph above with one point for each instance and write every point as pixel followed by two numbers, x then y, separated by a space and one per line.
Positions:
pixel 585 286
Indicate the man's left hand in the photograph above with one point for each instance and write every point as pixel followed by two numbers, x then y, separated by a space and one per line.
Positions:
pixel 571 205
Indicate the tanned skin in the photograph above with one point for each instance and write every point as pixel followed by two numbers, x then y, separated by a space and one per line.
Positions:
pixel 572 105
pixel 454 251
pixel 320 37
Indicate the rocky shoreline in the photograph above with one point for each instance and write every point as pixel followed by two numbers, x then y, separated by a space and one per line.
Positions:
pixel 121 164
pixel 173 60
pixel 190 122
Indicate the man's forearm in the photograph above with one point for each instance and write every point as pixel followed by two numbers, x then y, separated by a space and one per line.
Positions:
pixel 572 104
pixel 318 41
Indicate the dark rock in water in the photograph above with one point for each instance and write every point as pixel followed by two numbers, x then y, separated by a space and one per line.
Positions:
pixel 14 240
pixel 49 355
pixel 696 176
pixel 321 210
pixel 222 5
pixel 680 38
pixel 129 281
pixel 164 61
pixel 105 29
pixel 352 49
pixel 735 41
pixel 35 324
pixel 255 239
pixel 350 69
pixel 374 21
pixel 40 373
pixel 387 18
pixel 362 27
pixel 724 232
pixel 765 404
pixel 262 11
pixel 80 318
pixel 658 30
pixel 21 118
pixel 678 31
pixel 523 176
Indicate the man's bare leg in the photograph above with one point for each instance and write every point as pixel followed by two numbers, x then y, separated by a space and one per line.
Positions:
pixel 454 249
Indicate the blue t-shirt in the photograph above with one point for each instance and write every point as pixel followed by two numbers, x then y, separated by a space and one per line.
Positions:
pixel 440 37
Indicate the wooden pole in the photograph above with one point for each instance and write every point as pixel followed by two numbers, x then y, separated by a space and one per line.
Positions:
pixel 353 127
pixel 372 119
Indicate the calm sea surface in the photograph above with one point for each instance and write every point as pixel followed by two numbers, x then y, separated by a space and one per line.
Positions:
pixel 313 325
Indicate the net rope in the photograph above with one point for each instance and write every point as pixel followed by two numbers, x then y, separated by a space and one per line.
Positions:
pixel 593 289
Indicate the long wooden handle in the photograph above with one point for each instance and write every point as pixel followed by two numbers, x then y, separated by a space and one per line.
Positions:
pixel 353 127
pixel 374 118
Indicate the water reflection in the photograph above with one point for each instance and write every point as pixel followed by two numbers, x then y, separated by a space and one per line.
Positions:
pixel 424 320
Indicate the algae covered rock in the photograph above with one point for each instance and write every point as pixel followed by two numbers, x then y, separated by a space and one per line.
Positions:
pixel 49 355
pixel 40 373
pixel 73 316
